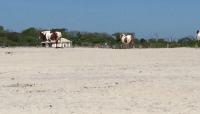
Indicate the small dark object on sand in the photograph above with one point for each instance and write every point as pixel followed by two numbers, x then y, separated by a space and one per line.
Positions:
pixel 9 52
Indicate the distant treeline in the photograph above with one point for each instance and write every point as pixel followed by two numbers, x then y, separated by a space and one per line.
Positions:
pixel 30 37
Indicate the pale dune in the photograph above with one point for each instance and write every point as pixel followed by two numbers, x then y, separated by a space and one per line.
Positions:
pixel 99 81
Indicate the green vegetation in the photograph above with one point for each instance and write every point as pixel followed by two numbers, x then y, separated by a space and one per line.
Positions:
pixel 30 37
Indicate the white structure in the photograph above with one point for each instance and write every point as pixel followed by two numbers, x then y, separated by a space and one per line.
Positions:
pixel 63 43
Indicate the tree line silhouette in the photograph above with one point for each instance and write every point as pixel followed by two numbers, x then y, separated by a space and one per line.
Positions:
pixel 29 37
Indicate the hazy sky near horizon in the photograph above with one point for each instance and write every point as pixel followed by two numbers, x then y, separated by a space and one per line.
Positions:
pixel 147 18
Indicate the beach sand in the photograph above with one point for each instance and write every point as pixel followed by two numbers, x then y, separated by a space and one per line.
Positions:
pixel 99 81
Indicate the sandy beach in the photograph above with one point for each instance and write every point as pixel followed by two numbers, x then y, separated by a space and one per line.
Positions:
pixel 99 81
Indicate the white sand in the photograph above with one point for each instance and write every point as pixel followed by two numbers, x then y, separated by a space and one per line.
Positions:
pixel 99 81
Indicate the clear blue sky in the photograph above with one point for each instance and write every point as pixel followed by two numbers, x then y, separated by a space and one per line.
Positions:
pixel 147 18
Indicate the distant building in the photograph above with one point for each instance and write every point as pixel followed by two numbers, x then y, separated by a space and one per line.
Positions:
pixel 63 43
